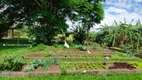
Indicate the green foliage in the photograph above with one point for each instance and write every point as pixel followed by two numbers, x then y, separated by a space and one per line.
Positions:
pixel 128 49
pixel 64 69
pixel 43 63
pixel 11 63
pixel 58 45
pixel 123 76
pixel 70 43
pixel 28 68
pixel 55 60
pixel 122 34
pixel 37 62
pixel 80 34
pixel 39 47
pixel 47 18
pixel 48 54
pixel 49 62
pixel 78 46
pixel 93 44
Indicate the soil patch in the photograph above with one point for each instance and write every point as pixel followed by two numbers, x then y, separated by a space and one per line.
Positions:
pixel 34 56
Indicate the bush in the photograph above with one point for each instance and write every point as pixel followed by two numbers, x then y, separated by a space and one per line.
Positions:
pixel 57 45
pixel 70 43
pixel 78 46
pixel 10 63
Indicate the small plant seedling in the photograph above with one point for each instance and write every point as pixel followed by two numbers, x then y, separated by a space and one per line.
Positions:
pixel 37 62
pixel 28 68
pixel 55 60
pixel 64 69
pixel 48 54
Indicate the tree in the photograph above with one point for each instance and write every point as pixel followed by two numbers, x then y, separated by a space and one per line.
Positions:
pixel 50 15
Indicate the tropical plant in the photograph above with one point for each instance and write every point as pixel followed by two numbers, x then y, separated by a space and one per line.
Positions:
pixel 121 34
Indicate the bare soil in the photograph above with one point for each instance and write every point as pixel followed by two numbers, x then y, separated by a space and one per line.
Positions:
pixel 32 55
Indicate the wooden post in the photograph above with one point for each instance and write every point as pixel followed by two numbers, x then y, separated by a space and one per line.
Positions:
pixel 12 32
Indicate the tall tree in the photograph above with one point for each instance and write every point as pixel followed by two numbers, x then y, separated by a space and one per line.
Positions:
pixel 50 15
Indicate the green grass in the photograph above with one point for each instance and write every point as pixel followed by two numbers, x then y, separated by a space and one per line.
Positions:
pixel 13 49
pixel 79 77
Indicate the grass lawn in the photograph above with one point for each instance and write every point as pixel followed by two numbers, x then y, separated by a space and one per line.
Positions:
pixel 80 77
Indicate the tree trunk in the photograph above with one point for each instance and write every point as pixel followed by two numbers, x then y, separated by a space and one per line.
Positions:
pixel 113 43
pixel 138 46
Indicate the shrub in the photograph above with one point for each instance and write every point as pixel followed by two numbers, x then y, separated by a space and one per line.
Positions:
pixel 58 45
pixel 10 63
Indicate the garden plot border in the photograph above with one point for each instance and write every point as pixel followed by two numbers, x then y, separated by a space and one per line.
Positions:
pixel 103 72
pixel 52 70
pixel 112 71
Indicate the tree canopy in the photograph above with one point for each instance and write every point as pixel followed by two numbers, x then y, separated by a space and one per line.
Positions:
pixel 50 15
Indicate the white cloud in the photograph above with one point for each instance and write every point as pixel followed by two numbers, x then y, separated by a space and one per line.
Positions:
pixel 119 9
pixel 109 17
pixel 120 3
pixel 138 0
pixel 115 10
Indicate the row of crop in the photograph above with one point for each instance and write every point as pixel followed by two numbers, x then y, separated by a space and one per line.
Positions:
pixel 65 67
pixel 15 63
pixel 85 66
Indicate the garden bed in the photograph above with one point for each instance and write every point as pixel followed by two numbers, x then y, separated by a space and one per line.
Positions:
pixel 33 55
pixel 53 69
pixel 78 50
pixel 79 56
pixel 68 56
pixel 97 68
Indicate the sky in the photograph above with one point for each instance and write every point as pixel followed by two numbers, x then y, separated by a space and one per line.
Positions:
pixel 119 9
